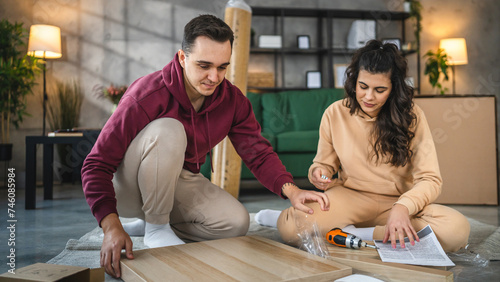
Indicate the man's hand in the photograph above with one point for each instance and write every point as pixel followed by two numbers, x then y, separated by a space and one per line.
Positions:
pixel 115 239
pixel 398 224
pixel 299 197
pixel 319 180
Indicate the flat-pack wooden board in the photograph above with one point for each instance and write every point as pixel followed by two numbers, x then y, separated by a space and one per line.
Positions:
pixel 247 258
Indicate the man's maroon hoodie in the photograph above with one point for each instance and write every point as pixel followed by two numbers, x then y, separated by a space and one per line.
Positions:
pixel 227 112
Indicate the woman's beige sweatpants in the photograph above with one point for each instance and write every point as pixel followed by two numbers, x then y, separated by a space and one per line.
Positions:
pixel 363 209
pixel 151 184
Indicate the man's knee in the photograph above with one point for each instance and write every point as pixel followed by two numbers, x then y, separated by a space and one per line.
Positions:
pixel 168 129
pixel 238 223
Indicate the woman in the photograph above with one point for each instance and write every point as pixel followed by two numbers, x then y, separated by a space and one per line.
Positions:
pixel 380 145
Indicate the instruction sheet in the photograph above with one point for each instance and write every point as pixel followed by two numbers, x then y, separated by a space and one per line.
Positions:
pixel 426 252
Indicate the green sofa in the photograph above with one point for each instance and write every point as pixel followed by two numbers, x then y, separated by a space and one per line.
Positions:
pixel 290 121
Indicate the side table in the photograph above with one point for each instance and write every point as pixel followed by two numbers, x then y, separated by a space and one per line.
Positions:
pixel 80 145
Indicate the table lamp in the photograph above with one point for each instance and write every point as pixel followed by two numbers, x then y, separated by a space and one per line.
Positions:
pixel 456 50
pixel 45 43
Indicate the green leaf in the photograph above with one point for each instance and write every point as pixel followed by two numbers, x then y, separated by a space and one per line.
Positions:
pixel 17 75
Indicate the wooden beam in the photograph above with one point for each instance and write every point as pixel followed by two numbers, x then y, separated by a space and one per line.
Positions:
pixel 227 163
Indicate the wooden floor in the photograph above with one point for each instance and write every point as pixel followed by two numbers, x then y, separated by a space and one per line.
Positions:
pixel 41 234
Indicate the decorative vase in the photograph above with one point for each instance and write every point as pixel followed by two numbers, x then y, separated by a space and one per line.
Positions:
pixel 407 7
pixel 113 109
pixel 5 152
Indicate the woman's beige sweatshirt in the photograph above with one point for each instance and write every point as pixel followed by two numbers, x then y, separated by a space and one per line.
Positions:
pixel 345 147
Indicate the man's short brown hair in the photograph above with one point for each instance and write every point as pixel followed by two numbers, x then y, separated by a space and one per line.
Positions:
pixel 209 26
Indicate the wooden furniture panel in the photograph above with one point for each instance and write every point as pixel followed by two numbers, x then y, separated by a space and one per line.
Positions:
pixel 464 132
pixel 248 258
pixel 367 261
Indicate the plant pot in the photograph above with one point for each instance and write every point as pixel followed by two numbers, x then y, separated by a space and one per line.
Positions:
pixel 5 152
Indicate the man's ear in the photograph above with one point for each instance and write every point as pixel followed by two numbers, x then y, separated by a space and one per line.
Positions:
pixel 182 57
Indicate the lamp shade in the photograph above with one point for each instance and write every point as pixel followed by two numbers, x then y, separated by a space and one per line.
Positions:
pixel 45 41
pixel 456 50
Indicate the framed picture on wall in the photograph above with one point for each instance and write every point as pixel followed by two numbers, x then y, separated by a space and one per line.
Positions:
pixel 313 79
pixel 303 42
pixel 395 41
pixel 339 74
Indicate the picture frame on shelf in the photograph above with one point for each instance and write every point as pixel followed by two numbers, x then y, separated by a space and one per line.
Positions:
pixel 303 42
pixel 313 79
pixel 339 74
pixel 395 41
pixel 270 41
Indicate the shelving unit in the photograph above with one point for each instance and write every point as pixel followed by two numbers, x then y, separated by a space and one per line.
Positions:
pixel 324 52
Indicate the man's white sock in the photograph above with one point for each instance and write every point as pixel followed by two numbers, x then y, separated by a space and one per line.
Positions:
pixel 365 234
pixel 160 235
pixel 135 228
pixel 268 217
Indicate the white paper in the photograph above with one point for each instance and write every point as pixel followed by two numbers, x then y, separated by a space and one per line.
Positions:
pixel 358 278
pixel 426 252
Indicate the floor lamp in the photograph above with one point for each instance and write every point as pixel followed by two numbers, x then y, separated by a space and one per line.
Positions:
pixel 45 43
pixel 456 50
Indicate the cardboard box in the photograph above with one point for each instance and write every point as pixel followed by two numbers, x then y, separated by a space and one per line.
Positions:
pixel 260 79
pixel 46 272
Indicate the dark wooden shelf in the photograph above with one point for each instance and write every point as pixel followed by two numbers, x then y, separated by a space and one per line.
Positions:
pixel 311 51
pixel 335 13
pixel 324 56
pixel 279 89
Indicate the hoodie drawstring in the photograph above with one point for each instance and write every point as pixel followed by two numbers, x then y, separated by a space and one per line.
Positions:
pixel 209 144
pixel 195 144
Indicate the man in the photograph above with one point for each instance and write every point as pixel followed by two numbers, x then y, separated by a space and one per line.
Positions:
pixel 147 159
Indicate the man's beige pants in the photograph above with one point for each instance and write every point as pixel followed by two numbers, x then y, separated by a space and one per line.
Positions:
pixel 151 184
pixel 363 209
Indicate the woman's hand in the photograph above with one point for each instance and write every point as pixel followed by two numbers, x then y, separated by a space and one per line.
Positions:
pixel 299 197
pixel 398 224
pixel 319 180
pixel 115 239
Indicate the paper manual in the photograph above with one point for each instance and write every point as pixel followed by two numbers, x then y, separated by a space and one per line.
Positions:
pixel 426 252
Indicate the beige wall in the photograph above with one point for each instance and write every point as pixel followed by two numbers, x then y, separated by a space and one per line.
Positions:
pixel 117 41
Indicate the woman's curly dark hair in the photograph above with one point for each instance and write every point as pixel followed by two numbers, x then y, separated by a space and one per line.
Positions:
pixel 392 133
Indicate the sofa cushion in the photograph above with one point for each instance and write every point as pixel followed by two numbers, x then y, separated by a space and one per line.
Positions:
pixel 276 113
pixel 296 110
pixel 270 137
pixel 297 164
pixel 255 100
pixel 308 108
pixel 297 141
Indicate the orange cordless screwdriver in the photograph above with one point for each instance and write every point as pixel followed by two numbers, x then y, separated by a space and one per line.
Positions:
pixel 346 240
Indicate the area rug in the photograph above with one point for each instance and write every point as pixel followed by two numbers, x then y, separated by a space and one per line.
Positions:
pixel 484 245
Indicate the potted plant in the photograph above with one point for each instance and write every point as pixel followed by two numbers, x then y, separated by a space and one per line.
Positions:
pixel 64 107
pixel 17 78
pixel 112 93
pixel 415 9
pixel 435 65
pixel 415 12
